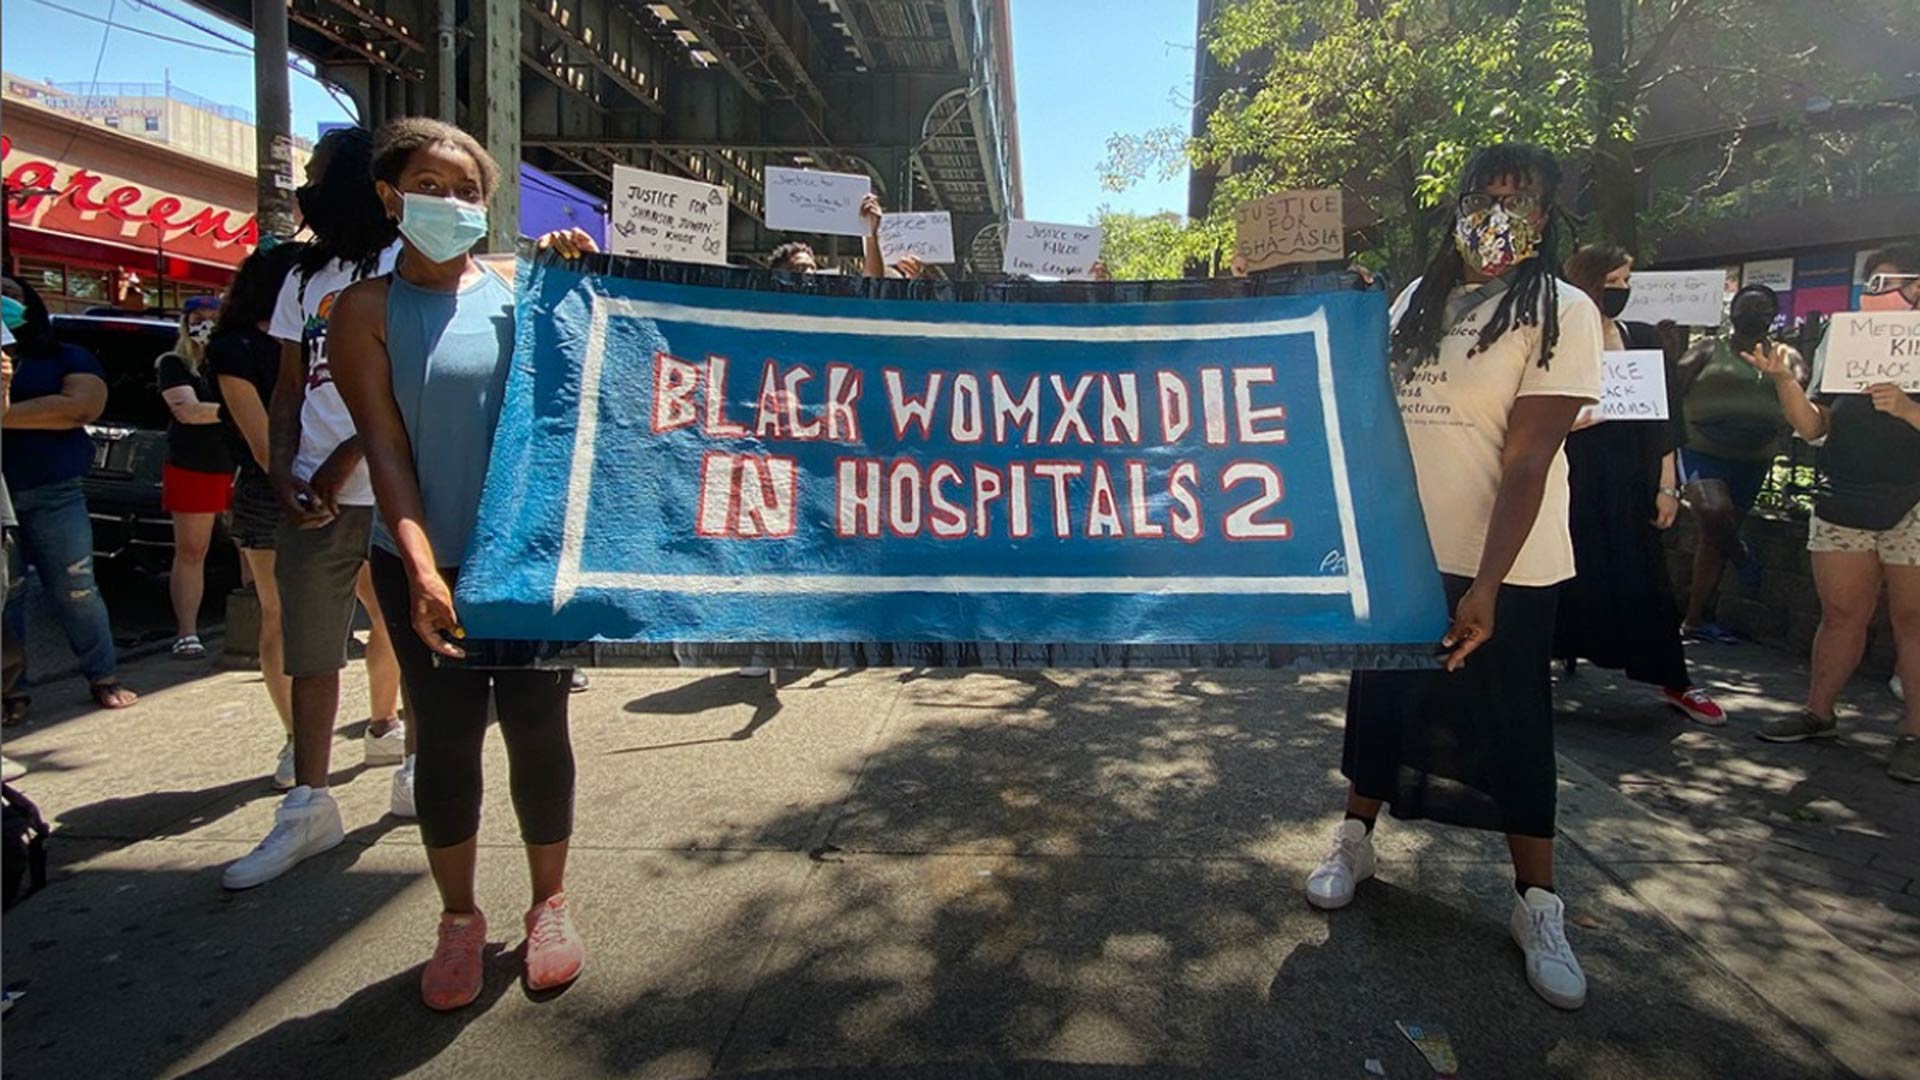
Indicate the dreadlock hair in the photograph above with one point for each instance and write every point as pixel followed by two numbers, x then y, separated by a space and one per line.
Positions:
pixel 1533 294
pixel 353 225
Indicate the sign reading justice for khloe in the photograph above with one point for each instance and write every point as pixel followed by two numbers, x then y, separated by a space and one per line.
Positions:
pixel 717 464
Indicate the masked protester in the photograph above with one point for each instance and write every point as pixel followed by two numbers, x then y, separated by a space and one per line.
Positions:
pixel 1496 358
pixel 1866 517
pixel 196 482
pixel 320 548
pixel 57 389
pixel 1619 610
pixel 1734 430
pixel 422 356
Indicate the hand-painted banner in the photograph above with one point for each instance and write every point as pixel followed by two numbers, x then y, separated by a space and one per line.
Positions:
pixel 688 463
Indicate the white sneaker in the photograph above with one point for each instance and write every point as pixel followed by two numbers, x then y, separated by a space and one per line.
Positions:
pixel 11 770
pixel 387 749
pixel 283 772
pixel 307 823
pixel 754 671
pixel 1539 928
pixel 401 802
pixel 1350 862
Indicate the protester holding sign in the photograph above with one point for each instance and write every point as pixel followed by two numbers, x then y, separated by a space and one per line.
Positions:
pixel 1734 430
pixel 1619 611
pixel 1497 357
pixel 1866 519
pixel 423 356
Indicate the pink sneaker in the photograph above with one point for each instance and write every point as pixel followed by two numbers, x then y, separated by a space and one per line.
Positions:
pixel 1695 703
pixel 454 976
pixel 555 953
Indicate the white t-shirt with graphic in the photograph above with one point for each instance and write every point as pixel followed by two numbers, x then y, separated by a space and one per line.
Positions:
pixel 1455 409
pixel 300 314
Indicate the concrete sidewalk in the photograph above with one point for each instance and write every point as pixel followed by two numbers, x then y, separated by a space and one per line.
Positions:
pixel 891 874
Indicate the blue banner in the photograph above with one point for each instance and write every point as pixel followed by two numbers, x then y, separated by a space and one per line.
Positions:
pixel 680 462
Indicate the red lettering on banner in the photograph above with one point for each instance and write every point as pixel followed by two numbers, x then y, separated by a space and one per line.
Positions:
pixel 1120 411
pixel 790 388
pixel 1143 524
pixel 1024 411
pixel 717 425
pixel 1243 382
pixel 769 421
pixel 843 403
pixel 858 498
pixel 674 383
pixel 1243 523
pixel 908 410
pixel 1213 405
pixel 903 499
pixel 1176 407
pixel 987 487
pixel 947 520
pixel 1060 472
pixel 1103 510
pixel 746 496
pixel 968 424
pixel 1186 523
pixel 1018 521
pixel 1070 409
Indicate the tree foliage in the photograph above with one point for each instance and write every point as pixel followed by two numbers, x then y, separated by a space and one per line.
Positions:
pixel 1138 247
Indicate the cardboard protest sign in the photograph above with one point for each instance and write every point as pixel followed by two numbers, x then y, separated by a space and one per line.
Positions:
pixel 1290 227
pixel 808 200
pixel 667 217
pixel 720 464
pixel 1056 251
pixel 1868 347
pixel 1688 297
pixel 926 236
pixel 1633 385
pixel 1775 274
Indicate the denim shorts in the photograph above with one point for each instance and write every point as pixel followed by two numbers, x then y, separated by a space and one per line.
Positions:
pixel 1743 478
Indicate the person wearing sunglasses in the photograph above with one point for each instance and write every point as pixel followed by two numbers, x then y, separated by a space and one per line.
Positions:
pixel 196 481
pixel 1866 518
pixel 1495 358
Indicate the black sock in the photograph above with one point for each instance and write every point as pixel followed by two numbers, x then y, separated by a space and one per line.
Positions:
pixel 1367 821
pixel 1521 887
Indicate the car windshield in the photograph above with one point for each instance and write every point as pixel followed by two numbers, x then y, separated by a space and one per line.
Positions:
pixel 127 349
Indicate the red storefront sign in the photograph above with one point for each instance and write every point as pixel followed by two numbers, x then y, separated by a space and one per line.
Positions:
pixel 105 207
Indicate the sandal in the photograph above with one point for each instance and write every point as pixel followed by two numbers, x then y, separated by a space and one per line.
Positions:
pixel 109 694
pixel 189 648
pixel 16 711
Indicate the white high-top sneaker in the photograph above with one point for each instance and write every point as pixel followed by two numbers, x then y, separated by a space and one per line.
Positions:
pixel 1539 928
pixel 1349 863
pixel 307 823
pixel 401 801
pixel 283 770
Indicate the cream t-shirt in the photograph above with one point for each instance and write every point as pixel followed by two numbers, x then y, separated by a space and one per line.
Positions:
pixel 1455 410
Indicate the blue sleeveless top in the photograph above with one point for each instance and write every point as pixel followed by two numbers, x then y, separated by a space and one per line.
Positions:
pixel 450 354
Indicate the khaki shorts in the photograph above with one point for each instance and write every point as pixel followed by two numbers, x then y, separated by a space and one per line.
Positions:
pixel 316 570
pixel 1898 546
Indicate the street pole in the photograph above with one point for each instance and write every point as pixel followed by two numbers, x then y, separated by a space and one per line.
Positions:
pixel 273 121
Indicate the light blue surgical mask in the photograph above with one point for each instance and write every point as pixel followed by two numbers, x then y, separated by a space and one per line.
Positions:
pixel 12 312
pixel 441 229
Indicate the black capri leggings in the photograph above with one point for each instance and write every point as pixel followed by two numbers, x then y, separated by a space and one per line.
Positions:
pixel 448 707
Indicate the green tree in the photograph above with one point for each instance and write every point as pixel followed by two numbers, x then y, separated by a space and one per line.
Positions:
pixel 1138 247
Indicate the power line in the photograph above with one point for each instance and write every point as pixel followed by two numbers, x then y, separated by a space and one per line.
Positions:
pixel 98 59
pixel 137 30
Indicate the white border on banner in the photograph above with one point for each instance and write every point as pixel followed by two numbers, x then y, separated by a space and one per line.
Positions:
pixel 570 577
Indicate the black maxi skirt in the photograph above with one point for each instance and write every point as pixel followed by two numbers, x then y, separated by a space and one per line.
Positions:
pixel 1619 612
pixel 1472 747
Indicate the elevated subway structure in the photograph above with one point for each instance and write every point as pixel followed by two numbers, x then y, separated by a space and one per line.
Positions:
pixel 916 94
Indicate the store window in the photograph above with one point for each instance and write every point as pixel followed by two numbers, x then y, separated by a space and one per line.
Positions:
pixel 113 122
pixel 91 286
pixel 48 279
pixel 153 123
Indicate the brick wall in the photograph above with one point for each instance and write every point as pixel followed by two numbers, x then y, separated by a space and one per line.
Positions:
pixel 1786 610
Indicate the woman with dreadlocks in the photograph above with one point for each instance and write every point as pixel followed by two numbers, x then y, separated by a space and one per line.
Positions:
pixel 1496 357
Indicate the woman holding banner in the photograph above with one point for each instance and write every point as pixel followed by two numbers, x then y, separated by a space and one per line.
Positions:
pixel 1619 611
pixel 1497 357
pixel 421 358
pixel 1866 517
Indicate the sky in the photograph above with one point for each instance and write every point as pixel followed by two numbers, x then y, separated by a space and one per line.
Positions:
pixel 1084 70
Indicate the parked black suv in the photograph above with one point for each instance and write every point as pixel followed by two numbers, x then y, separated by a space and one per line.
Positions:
pixel 130 529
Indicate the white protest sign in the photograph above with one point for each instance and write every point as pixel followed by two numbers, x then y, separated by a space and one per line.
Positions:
pixel 1775 274
pixel 1688 297
pixel 1056 251
pixel 1869 347
pixel 925 236
pixel 668 217
pixel 1633 385
pixel 1290 227
pixel 807 200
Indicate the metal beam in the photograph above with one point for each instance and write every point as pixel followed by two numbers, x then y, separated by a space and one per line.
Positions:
pixel 551 140
pixel 380 24
pixel 772 38
pixel 320 26
pixel 540 67
pixel 493 112
pixel 850 15
pixel 545 18
pixel 683 12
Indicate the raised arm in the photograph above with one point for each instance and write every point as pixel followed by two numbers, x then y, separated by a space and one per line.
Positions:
pixel 874 264
pixel 1781 367
pixel 363 373
pixel 81 400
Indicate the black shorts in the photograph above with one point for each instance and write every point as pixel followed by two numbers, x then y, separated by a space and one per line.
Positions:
pixel 256 512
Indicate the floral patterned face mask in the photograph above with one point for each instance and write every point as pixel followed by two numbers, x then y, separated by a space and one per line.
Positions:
pixel 1493 241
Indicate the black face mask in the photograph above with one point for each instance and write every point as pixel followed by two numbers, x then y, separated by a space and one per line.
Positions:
pixel 314 212
pixel 1613 300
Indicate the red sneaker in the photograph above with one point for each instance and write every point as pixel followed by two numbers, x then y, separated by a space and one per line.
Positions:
pixel 555 953
pixel 1696 704
pixel 453 977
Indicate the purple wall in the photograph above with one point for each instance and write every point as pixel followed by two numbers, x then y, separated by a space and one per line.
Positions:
pixel 548 204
